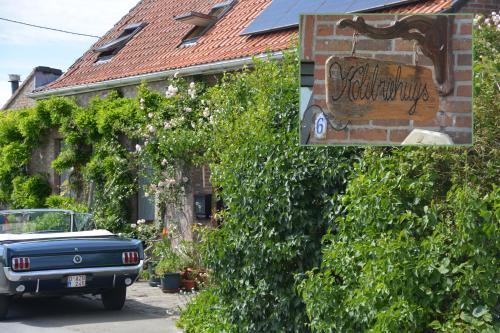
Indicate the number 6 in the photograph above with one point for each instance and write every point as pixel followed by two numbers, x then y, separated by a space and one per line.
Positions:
pixel 320 126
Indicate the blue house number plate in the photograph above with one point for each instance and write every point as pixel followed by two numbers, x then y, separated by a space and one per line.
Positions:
pixel 320 126
pixel 76 281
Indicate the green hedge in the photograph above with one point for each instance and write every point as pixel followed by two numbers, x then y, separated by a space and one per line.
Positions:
pixel 417 243
pixel 277 194
pixel 408 255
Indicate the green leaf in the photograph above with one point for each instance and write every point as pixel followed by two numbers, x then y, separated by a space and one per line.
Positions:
pixel 443 270
pixel 435 325
pixel 479 311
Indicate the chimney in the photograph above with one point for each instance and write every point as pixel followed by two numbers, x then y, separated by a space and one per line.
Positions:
pixel 14 81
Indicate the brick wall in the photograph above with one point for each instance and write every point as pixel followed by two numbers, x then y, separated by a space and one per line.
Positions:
pixel 320 39
pixel 200 178
pixel 480 6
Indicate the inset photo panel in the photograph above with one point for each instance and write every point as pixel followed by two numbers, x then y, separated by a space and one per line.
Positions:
pixel 386 79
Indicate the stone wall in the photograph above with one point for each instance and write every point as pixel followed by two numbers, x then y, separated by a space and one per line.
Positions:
pixel 199 184
pixel 21 100
pixel 321 38
pixel 42 158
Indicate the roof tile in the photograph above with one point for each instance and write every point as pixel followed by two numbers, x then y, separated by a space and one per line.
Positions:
pixel 155 47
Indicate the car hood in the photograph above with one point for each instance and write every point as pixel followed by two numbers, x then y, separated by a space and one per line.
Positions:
pixel 28 237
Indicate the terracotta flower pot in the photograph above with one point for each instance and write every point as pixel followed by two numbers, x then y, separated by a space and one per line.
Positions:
pixel 188 284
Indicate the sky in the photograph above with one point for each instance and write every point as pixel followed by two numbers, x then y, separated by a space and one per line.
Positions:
pixel 22 48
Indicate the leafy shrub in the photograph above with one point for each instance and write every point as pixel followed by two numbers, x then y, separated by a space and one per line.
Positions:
pixel 20 132
pixel 205 314
pixel 30 191
pixel 407 256
pixel 57 201
pixel 416 243
pixel 276 193
pixel 170 261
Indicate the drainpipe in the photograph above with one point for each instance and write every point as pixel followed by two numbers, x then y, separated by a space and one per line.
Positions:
pixel 14 82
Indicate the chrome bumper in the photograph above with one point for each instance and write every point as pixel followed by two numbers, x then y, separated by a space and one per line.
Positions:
pixel 60 273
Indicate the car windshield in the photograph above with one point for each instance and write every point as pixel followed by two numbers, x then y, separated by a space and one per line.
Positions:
pixel 44 221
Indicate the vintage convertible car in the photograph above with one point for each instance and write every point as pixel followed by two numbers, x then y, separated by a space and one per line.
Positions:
pixel 57 252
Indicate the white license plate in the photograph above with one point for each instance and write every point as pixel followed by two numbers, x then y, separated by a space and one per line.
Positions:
pixel 76 281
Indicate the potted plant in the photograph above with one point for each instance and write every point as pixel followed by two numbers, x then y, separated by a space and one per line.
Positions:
pixel 170 277
pixel 169 266
pixel 188 281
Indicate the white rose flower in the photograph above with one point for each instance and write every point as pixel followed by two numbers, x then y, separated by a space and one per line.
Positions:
pixel 133 225
pixel 167 125
pixel 192 93
pixel 164 162
pixel 186 109
pixel 206 113
pixel 192 85
pixel 150 115
pixel 171 91
pixel 141 103
pixel 138 148
pixel 151 128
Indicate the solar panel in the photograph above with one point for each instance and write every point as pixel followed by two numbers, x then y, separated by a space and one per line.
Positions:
pixel 282 14
pixel 371 5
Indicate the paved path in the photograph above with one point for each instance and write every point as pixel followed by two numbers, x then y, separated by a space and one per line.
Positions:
pixel 147 310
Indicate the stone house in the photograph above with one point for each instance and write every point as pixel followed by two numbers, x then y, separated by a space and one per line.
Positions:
pixel 39 77
pixel 199 40
pixel 40 159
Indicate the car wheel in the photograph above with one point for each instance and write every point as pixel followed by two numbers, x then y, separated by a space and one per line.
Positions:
pixel 113 299
pixel 4 306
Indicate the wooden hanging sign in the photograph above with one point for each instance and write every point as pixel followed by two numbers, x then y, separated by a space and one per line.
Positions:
pixel 369 89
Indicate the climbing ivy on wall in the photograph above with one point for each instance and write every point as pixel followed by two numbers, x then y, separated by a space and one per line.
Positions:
pixel 106 145
pixel 20 132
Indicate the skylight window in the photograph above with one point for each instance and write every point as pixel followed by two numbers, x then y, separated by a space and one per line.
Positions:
pixel 202 22
pixel 108 50
pixel 284 14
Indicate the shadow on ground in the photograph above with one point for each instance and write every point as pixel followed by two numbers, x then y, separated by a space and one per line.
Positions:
pixel 78 310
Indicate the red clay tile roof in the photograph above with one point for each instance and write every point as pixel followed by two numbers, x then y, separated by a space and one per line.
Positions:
pixel 155 47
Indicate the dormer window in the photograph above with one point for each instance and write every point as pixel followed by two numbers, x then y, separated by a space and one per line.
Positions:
pixel 202 22
pixel 108 50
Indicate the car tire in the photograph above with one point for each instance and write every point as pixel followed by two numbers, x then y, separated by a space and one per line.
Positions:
pixel 4 306
pixel 114 299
